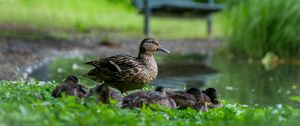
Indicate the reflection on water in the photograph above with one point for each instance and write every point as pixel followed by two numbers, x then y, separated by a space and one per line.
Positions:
pixel 252 84
pixel 178 75
pixel 236 81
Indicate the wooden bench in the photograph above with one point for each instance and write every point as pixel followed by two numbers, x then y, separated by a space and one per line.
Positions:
pixel 186 8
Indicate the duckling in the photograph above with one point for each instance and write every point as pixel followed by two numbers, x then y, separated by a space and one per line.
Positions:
pixel 125 72
pixel 202 100
pixel 71 88
pixel 158 96
pixel 208 97
pixel 186 99
pixel 182 99
pixel 214 100
pixel 200 97
pixel 105 93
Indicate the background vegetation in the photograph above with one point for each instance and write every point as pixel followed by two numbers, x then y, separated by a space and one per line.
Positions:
pixel 256 27
pixel 84 16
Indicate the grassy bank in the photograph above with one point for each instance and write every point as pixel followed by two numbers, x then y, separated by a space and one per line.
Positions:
pixel 256 27
pixel 31 104
pixel 95 15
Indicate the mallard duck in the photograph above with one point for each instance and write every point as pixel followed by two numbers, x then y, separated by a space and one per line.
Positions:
pixel 71 88
pixel 214 100
pixel 105 93
pixel 125 72
pixel 158 96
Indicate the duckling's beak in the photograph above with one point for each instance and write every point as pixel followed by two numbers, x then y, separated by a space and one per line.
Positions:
pixel 163 50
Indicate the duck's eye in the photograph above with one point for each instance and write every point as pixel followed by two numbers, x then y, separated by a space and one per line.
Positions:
pixel 153 42
pixel 150 41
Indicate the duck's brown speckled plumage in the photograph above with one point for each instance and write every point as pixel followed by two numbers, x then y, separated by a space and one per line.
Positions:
pixel 157 96
pixel 126 72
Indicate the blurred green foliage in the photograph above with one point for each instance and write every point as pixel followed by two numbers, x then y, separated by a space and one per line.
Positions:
pixel 85 16
pixel 256 27
pixel 23 103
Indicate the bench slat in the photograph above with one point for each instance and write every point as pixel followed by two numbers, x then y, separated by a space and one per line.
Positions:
pixel 184 5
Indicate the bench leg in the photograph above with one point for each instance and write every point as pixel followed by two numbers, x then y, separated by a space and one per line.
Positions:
pixel 209 25
pixel 147 14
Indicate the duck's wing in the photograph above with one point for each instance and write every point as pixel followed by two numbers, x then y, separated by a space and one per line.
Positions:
pixel 172 103
pixel 116 63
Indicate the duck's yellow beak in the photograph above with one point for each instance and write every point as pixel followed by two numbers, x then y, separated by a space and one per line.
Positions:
pixel 164 50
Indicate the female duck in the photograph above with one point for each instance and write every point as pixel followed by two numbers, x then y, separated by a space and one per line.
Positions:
pixel 125 72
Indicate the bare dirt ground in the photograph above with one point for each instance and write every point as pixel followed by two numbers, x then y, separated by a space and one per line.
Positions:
pixel 16 55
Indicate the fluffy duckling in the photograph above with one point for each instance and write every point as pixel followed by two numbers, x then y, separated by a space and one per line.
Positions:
pixel 213 95
pixel 182 99
pixel 71 88
pixel 125 72
pixel 208 97
pixel 185 99
pixel 105 93
pixel 202 100
pixel 158 96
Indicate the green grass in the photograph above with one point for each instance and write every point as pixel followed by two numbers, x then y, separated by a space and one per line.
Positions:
pixel 24 103
pixel 95 15
pixel 256 27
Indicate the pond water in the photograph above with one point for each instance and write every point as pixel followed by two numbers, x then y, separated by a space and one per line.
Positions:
pixel 236 81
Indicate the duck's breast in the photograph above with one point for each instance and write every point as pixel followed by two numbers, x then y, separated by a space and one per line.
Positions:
pixel 149 70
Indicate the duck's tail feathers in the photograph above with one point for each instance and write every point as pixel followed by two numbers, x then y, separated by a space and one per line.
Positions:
pixel 90 63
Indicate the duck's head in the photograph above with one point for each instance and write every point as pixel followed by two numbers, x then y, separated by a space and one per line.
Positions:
pixel 161 89
pixel 211 93
pixel 149 46
pixel 71 79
